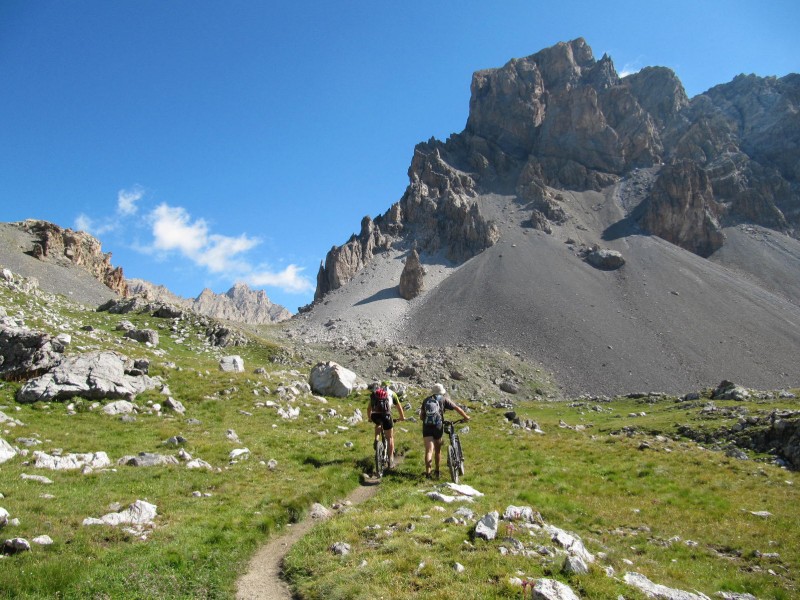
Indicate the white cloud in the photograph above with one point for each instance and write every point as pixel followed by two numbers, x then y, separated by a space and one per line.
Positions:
pixel 174 230
pixel 631 67
pixel 127 199
pixel 85 223
pixel 289 280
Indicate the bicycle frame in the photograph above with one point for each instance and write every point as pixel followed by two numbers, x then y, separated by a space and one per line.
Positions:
pixel 455 455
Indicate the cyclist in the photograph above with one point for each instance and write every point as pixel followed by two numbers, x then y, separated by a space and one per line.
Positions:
pixel 379 411
pixel 431 413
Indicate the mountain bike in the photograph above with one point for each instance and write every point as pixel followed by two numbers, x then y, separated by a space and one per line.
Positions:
pixel 455 455
pixel 381 455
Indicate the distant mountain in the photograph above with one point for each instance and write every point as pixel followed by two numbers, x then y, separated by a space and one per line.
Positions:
pixel 73 264
pixel 700 197
pixel 239 304
pixel 63 261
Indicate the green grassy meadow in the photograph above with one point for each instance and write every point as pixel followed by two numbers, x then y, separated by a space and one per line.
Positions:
pixel 640 497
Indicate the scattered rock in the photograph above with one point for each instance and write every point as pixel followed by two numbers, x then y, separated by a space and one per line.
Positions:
pixel 570 542
pixel 727 390
pixel 43 540
pixel 607 260
pixel 7 451
pixel 174 405
pixel 197 463
pixel 574 565
pixel 176 440
pixel 550 589
pixel 36 478
pixel 522 513
pixel 148 459
pixel 340 548
pixel 232 364
pixel 140 513
pixel 119 407
pixel 69 462
pixel 144 336
pixel 486 527
pixel 15 546
pixel 332 379
pixel 239 453
pixel 662 592
pixel 319 512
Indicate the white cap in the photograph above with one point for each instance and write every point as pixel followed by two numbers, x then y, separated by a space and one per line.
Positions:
pixel 438 389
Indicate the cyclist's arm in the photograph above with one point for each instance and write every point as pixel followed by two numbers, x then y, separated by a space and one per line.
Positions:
pixel 396 398
pixel 459 410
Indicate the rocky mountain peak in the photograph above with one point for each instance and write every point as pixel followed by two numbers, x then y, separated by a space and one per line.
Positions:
pixel 561 120
pixel 239 304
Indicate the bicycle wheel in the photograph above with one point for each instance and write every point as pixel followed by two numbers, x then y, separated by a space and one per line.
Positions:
pixel 460 455
pixel 452 463
pixel 380 458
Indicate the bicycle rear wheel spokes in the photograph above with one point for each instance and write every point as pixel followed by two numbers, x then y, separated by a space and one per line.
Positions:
pixel 380 457
pixel 452 463
pixel 459 454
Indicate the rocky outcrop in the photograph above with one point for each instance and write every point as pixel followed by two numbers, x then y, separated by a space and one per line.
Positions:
pixel 560 119
pixel 217 334
pixel 568 110
pixel 412 277
pixel 439 211
pixel 239 304
pixel 24 352
pixel 77 247
pixel 343 262
pixel 681 209
pixel 94 376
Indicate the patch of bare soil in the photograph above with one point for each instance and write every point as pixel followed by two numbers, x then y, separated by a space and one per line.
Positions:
pixel 263 578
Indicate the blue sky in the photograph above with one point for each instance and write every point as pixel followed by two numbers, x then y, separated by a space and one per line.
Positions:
pixel 206 143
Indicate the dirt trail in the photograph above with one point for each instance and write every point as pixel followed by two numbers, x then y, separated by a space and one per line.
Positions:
pixel 263 577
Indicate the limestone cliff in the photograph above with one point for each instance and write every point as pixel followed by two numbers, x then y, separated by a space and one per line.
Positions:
pixel 562 120
pixel 54 243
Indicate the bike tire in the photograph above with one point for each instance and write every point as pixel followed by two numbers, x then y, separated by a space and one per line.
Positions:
pixel 460 454
pixel 380 458
pixel 452 463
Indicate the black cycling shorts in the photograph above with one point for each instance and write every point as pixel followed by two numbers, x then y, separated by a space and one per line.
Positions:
pixel 433 431
pixel 384 419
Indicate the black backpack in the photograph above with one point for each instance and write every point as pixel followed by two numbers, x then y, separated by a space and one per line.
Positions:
pixel 380 400
pixel 432 411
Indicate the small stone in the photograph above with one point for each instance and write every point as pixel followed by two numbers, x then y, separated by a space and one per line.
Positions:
pixel 340 548
pixel 42 540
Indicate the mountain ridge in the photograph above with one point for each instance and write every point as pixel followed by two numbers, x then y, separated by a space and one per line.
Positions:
pixel 560 155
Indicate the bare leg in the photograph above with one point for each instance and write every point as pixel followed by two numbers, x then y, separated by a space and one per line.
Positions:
pixel 390 443
pixel 437 444
pixel 428 454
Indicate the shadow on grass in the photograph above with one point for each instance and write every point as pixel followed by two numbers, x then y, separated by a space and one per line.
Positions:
pixel 318 464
